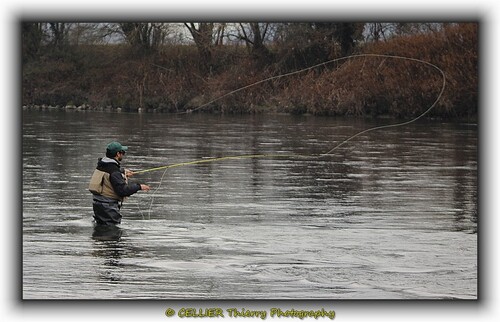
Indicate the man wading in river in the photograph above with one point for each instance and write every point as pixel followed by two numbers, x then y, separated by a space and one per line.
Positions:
pixel 109 186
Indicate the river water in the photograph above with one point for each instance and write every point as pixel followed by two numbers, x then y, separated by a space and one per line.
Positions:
pixel 390 215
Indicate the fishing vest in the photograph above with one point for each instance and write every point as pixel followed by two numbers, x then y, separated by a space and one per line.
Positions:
pixel 101 185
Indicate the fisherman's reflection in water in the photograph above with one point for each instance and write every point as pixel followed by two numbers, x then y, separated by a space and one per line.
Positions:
pixel 109 247
pixel 107 233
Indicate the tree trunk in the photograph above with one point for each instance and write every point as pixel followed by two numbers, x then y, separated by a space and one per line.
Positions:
pixel 202 36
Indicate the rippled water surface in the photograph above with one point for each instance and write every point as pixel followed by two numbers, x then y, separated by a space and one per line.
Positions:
pixel 390 215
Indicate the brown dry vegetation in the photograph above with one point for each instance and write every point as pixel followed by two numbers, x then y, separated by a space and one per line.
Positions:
pixel 397 87
pixel 170 81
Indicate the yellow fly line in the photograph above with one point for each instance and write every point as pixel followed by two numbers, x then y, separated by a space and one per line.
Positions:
pixel 234 157
pixel 253 156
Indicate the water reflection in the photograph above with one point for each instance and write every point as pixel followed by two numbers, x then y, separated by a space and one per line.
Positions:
pixel 107 233
pixel 108 248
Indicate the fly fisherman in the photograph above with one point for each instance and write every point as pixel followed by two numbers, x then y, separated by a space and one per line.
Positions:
pixel 109 185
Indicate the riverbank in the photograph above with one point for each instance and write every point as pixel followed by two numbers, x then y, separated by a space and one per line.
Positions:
pixel 111 78
pixel 472 119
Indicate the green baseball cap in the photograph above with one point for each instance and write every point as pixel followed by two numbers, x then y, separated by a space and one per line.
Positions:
pixel 115 147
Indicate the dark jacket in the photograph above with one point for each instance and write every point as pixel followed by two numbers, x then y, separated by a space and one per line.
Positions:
pixel 117 178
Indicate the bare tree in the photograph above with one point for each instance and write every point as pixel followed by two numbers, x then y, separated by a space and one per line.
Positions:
pixel 202 36
pixel 31 35
pixel 254 34
pixel 59 34
pixel 145 37
pixel 220 34
pixel 346 33
pixel 381 31
pixel 307 43
pixel 377 31
pixel 95 33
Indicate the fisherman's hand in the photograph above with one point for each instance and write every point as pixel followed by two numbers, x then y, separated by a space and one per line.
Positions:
pixel 129 173
pixel 145 187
